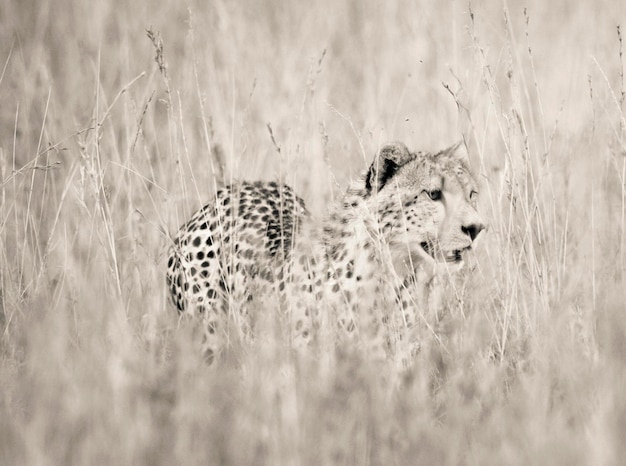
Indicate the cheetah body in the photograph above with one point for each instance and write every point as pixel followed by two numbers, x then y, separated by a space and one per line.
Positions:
pixel 366 268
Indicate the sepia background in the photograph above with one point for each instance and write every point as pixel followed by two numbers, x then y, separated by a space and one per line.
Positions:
pixel 119 118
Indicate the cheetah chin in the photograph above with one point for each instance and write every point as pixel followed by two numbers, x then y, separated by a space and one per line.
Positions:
pixel 456 256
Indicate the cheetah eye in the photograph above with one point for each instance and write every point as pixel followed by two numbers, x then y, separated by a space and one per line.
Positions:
pixel 473 195
pixel 434 194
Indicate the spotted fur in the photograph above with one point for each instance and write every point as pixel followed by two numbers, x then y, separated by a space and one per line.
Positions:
pixel 366 268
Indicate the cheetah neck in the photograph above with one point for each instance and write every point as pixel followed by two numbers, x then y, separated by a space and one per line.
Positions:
pixel 362 224
pixel 351 236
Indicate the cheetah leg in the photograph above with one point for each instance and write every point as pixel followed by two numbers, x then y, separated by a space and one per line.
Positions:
pixel 301 326
pixel 373 335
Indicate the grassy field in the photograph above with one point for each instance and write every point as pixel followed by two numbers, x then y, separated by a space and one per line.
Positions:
pixel 118 117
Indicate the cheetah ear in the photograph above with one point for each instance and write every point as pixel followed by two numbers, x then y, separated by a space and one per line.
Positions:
pixel 457 152
pixel 385 165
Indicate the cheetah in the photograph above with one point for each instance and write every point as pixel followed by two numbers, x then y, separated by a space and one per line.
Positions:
pixel 365 268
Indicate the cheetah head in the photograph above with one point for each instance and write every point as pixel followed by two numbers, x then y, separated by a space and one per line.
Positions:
pixel 425 204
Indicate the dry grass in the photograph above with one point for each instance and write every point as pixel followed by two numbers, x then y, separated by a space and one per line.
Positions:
pixel 103 150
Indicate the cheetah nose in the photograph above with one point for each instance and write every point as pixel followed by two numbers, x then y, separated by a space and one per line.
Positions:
pixel 473 229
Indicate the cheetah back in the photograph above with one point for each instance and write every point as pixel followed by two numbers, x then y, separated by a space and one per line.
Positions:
pixel 246 232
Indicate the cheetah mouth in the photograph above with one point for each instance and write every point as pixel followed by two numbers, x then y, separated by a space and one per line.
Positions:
pixel 455 256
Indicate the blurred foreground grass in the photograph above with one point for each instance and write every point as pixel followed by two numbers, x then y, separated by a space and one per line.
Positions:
pixel 103 150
